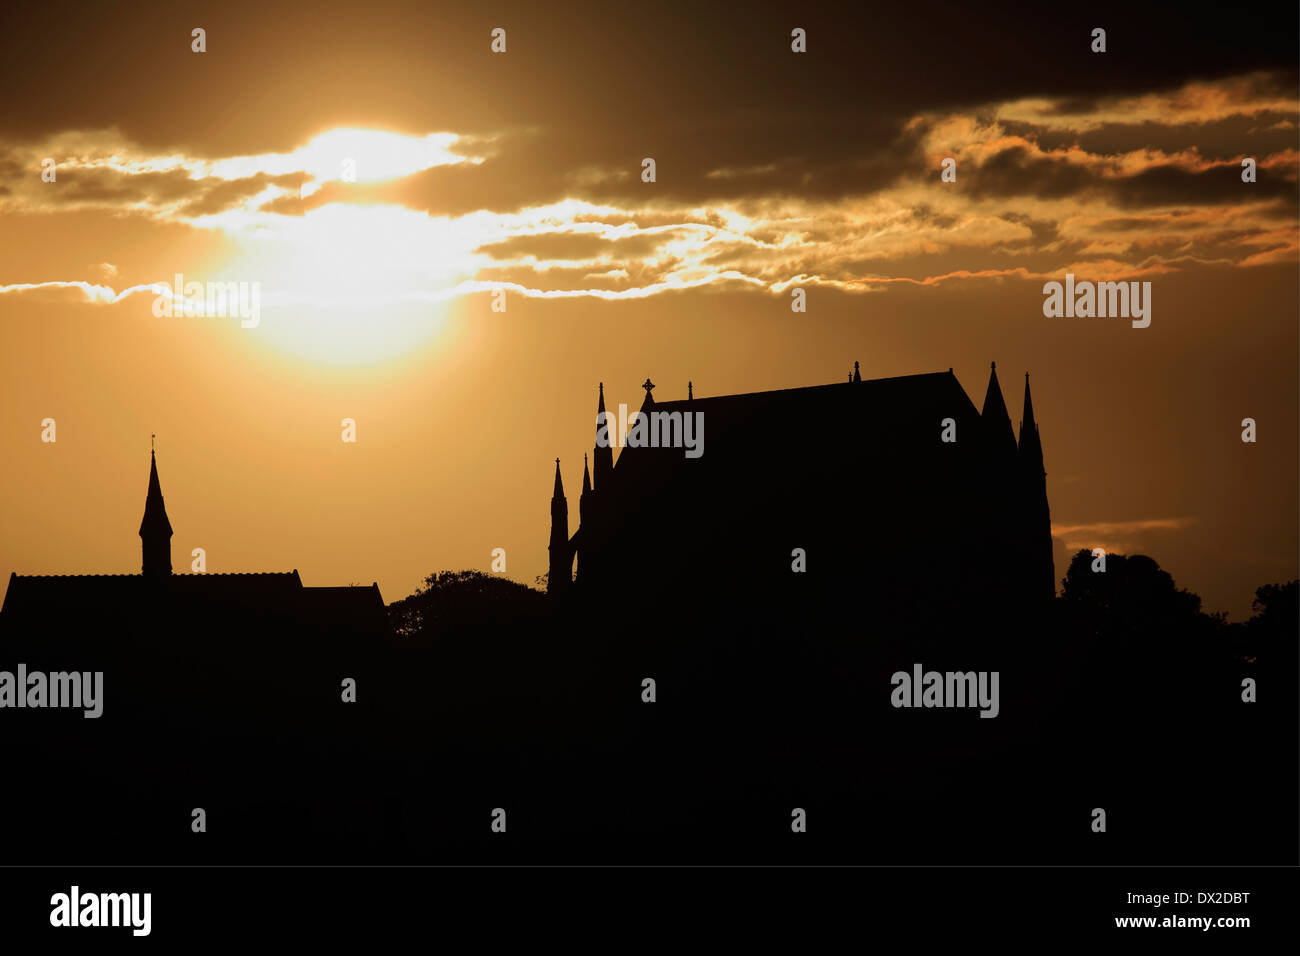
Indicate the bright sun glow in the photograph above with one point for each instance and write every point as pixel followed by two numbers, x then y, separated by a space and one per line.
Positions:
pixel 345 284
pixel 375 154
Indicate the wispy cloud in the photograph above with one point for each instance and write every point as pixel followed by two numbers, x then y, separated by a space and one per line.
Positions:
pixel 1040 191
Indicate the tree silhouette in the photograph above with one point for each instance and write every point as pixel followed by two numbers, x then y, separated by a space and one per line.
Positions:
pixel 464 601
pixel 1272 630
pixel 1132 597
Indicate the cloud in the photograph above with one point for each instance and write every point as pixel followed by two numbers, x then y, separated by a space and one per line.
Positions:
pixel 1118 536
pixel 76 291
pixel 587 246
pixel 764 200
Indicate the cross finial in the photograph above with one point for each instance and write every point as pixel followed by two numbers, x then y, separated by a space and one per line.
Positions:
pixel 151 442
pixel 647 384
pixel 557 463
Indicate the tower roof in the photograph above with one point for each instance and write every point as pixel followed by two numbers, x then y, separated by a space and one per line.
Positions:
pixel 155 512
pixel 1030 443
pixel 997 421
pixel 559 485
pixel 586 476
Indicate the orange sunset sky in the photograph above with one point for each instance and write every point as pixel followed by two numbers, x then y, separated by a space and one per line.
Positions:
pixel 477 171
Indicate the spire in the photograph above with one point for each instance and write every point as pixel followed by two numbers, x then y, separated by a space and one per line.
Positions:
pixel 1040 574
pixel 1031 446
pixel 690 391
pixel 857 375
pixel 997 422
pixel 604 455
pixel 584 499
pixel 155 529
pixel 560 572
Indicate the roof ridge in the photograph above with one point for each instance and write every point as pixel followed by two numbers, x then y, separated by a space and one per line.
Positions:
pixel 802 388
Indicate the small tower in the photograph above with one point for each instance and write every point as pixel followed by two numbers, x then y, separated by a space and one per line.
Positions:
pixel 857 373
pixel 155 529
pixel 561 564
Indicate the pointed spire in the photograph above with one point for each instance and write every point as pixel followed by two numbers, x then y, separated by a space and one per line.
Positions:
pixel 560 570
pixel 155 529
pixel 997 421
pixel 604 454
pixel 690 391
pixel 857 375
pixel 1031 445
pixel 1027 416
pixel 584 499
pixel 1040 573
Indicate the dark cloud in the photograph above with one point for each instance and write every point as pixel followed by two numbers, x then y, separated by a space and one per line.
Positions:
pixel 116 187
pixel 1232 137
pixel 112 186
pixel 1170 185
pixel 1017 171
pixel 229 193
pixel 274 74
pixel 1042 232
pixel 534 168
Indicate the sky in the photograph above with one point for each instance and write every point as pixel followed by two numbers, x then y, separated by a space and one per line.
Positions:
pixel 378 174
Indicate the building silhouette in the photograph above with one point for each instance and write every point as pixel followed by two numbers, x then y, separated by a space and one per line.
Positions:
pixel 273 605
pixel 898 491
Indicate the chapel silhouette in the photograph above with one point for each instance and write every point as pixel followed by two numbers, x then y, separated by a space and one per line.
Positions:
pixel 899 492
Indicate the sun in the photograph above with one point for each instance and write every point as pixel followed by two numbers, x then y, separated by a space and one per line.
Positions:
pixel 347 282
